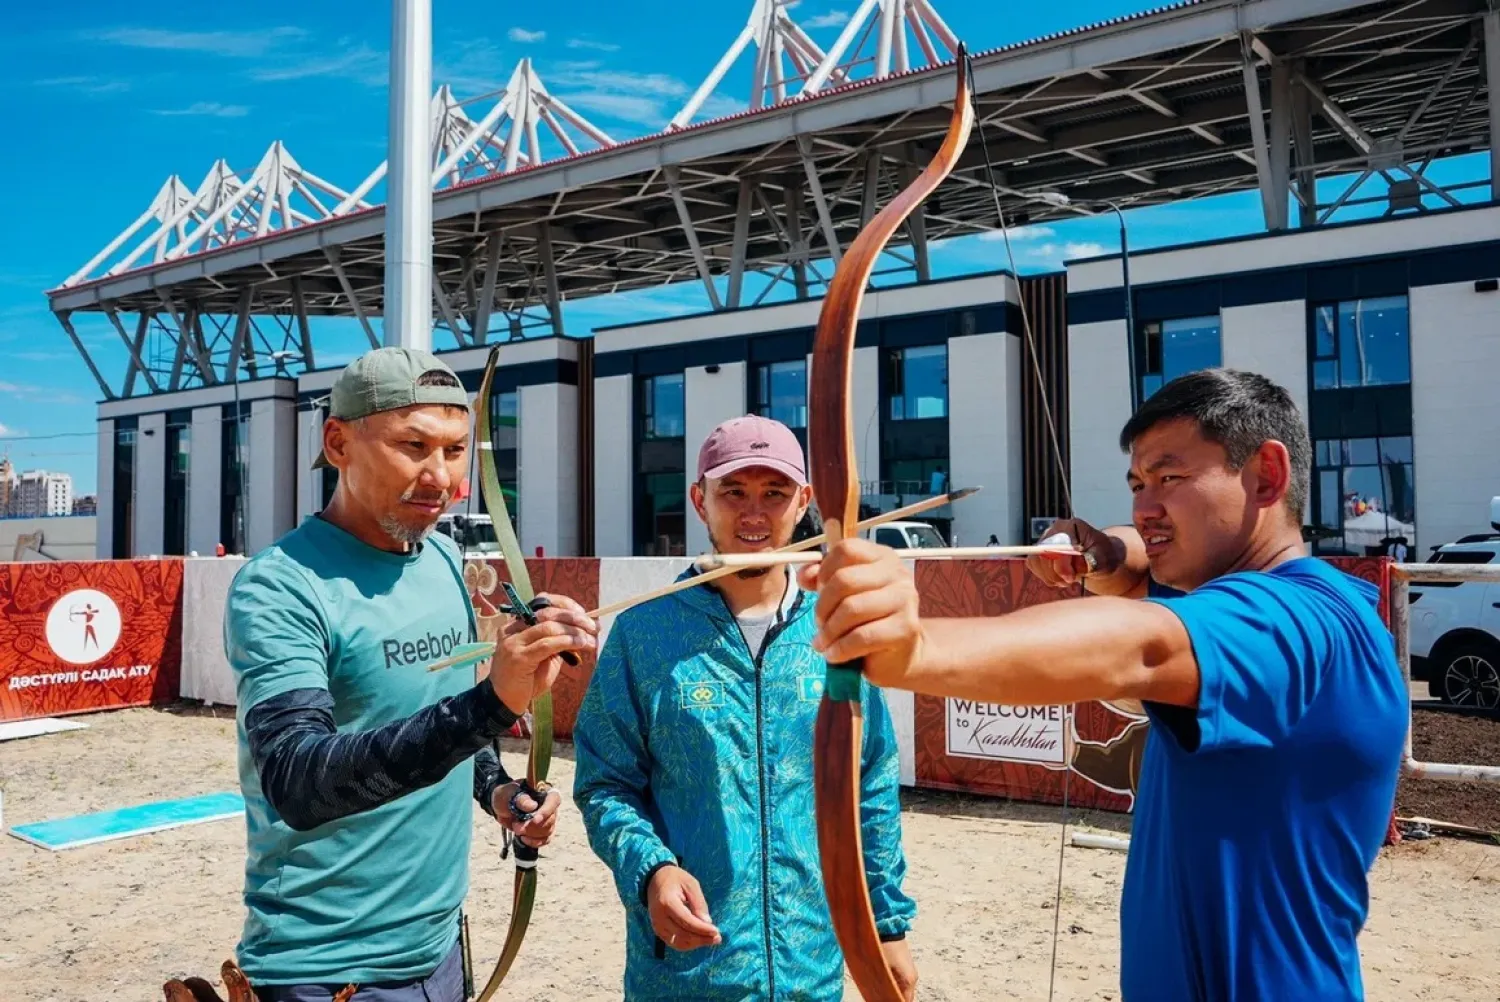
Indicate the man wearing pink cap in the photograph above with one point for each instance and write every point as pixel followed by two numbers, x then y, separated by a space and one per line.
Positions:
pixel 694 761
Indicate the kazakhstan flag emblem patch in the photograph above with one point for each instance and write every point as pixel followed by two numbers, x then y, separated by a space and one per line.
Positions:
pixel 810 688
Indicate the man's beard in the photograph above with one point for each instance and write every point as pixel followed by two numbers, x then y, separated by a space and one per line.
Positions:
pixel 407 534
pixel 403 533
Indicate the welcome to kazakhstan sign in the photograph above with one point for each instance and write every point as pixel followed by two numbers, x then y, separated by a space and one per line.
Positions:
pixel 993 731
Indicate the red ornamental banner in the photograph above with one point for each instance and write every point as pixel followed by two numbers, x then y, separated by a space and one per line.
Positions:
pixel 575 577
pixel 82 636
pixel 1026 753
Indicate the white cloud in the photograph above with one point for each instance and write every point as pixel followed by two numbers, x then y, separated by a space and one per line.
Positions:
pixel 618 81
pixel 625 107
pixel 280 53
pixel 216 43
pixel 1052 253
pixel 833 19
pixel 209 109
pixel 1018 233
pixel 717 106
pixel 472 65
pixel 86 84
pixel 639 98
pixel 524 36
pixel 40 395
pixel 587 43
pixel 352 61
pixel 1085 248
pixel 6 431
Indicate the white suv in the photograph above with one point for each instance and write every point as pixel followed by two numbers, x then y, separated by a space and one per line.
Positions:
pixel 1455 628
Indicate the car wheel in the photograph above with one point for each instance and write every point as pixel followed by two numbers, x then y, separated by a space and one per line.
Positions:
pixel 1471 675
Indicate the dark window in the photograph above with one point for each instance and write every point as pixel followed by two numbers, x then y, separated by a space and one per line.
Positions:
pixel 1364 494
pixel 233 481
pixel 780 393
pixel 919 383
pixel 179 447
pixel 913 431
pixel 505 436
pixel 1359 404
pixel 661 491
pixel 123 516
pixel 1460 557
pixel 1361 342
pixel 1172 348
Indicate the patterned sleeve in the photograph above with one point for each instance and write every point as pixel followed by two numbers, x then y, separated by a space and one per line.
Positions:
pixel 613 774
pixel 880 819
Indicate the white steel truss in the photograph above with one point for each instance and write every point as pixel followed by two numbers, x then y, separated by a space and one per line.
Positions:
pixel 789 64
pixel 882 25
pixel 778 40
pixel 279 195
pixel 761 207
pixel 507 137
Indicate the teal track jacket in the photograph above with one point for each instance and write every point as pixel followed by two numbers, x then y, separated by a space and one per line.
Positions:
pixel 693 749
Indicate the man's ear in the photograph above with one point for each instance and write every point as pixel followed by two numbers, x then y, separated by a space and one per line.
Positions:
pixel 336 442
pixel 804 501
pixel 1272 469
pixel 695 495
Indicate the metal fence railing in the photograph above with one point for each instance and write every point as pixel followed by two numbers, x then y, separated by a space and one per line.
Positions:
pixel 1402 575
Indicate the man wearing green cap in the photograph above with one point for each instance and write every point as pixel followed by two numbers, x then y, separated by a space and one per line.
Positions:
pixel 356 763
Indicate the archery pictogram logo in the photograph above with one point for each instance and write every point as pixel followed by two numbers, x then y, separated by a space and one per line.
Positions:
pixel 83 626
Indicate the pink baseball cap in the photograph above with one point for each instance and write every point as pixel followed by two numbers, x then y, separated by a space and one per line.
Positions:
pixel 743 442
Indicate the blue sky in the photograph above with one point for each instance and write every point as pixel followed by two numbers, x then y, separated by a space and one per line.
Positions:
pixel 101 102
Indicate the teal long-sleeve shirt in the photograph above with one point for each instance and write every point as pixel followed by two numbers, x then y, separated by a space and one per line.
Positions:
pixel 695 750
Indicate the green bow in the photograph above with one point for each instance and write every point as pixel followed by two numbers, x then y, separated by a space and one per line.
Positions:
pixel 540 758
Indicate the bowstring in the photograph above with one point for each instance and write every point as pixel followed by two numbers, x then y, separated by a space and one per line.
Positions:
pixel 1067 498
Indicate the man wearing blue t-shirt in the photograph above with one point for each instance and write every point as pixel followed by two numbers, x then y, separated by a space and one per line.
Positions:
pixel 358 765
pixel 1278 709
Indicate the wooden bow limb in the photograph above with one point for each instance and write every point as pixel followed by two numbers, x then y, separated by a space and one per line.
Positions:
pixel 839 736
pixel 926 504
pixel 776 558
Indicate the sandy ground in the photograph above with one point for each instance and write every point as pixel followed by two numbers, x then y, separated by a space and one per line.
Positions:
pixel 112 921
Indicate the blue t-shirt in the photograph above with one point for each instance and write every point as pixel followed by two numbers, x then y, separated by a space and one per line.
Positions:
pixel 1260 814
pixel 375 896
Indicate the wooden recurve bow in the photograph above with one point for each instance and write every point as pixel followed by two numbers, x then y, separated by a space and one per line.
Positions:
pixel 835 478
pixel 540 758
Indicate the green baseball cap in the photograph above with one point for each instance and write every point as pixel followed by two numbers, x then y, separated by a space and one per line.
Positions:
pixel 386 379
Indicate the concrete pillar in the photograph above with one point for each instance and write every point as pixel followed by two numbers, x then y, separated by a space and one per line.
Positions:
pixel 1099 386
pixel 985 436
pixel 614 466
pixel 270 509
pixel 205 480
pixel 150 484
pixel 309 481
pixel 1271 339
pixel 709 398
pixel 548 469
pixel 865 394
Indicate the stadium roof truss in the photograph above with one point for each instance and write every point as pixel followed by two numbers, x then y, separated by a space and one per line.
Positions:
pixel 1185 101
